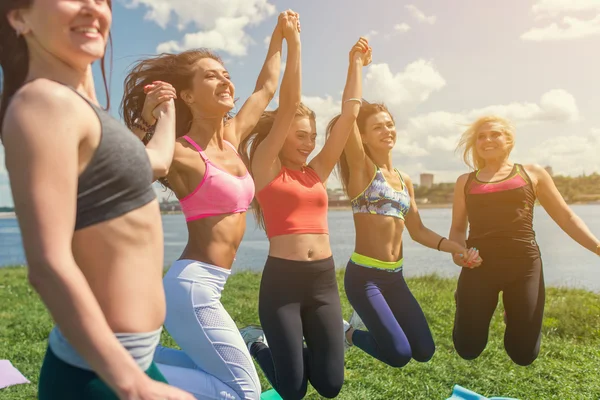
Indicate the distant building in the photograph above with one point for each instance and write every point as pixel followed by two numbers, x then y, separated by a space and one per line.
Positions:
pixel 549 170
pixel 427 180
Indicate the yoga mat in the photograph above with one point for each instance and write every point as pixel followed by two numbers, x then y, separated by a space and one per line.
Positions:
pixel 9 375
pixel 460 393
pixel 270 395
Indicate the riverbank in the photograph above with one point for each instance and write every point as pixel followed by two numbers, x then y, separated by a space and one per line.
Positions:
pixel 567 367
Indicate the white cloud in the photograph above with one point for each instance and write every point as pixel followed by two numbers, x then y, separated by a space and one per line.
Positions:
pixel 267 41
pixel 220 25
pixel 569 154
pixel 402 28
pixel 371 34
pixel 420 15
pixel 570 28
pixel 404 90
pixel 552 8
pixel 228 36
pixel 325 108
pixel 554 106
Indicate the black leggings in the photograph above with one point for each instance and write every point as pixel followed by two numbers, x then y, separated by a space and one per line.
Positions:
pixel 301 298
pixel 521 281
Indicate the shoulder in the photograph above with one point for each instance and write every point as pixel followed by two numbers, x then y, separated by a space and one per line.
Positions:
pixel 407 180
pixel 405 177
pixel 537 174
pixel 56 108
pixel 534 169
pixel 462 179
pixel 47 94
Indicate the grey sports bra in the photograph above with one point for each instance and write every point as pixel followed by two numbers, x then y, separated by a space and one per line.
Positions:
pixel 118 178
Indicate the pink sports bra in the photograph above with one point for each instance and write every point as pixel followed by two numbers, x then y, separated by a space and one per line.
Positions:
pixel 219 192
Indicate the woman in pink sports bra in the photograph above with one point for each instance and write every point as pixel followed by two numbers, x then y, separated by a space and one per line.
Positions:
pixel 215 190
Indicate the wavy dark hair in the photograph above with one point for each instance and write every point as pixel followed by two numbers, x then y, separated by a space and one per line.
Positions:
pixel 14 57
pixel 176 69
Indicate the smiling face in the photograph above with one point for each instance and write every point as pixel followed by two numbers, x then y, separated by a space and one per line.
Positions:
pixel 492 143
pixel 379 133
pixel 76 32
pixel 212 91
pixel 300 141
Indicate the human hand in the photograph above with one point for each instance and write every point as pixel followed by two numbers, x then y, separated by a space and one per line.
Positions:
pixel 159 100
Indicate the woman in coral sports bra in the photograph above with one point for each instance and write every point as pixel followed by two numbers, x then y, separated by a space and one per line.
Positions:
pixel 298 293
pixel 215 190
pixel 383 205
pixel 505 236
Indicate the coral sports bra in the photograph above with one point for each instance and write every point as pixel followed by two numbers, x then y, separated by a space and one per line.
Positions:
pixel 219 192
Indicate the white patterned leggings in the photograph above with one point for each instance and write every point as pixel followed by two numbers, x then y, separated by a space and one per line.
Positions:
pixel 208 336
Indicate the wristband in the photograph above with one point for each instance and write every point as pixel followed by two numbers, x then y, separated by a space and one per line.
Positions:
pixel 440 242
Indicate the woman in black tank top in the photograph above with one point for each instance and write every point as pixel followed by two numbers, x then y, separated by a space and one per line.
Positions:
pixel 89 218
pixel 496 202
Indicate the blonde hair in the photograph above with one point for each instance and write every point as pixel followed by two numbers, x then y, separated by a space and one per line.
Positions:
pixel 469 138
pixel 249 145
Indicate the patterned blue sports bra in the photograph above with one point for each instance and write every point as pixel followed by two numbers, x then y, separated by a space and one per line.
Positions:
pixel 382 199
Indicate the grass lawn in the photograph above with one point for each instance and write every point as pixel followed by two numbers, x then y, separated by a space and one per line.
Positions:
pixel 568 367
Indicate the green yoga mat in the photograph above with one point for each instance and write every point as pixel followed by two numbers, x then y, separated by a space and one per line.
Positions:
pixel 270 395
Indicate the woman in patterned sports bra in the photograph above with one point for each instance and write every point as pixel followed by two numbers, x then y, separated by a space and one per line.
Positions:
pixel 383 204
pixel 496 203
pixel 215 190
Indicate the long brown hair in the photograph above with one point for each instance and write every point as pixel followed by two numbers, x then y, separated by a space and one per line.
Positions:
pixel 366 110
pixel 14 57
pixel 175 69
pixel 249 145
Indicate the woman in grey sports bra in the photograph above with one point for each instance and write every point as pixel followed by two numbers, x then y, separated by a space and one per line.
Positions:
pixel 382 200
pixel 89 218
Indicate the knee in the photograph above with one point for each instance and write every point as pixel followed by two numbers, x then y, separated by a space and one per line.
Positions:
pixel 329 388
pixel 397 357
pixel 468 351
pixel 522 357
pixel 424 354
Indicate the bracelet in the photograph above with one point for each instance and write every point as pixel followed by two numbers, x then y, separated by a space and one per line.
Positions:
pixel 141 124
pixel 353 99
pixel 440 242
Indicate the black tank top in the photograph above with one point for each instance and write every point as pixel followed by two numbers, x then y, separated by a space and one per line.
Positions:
pixel 501 214
pixel 118 178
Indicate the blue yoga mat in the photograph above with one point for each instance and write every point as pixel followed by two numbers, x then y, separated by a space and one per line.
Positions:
pixel 270 395
pixel 460 393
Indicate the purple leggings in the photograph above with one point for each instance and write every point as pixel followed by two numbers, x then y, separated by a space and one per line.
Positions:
pixel 397 328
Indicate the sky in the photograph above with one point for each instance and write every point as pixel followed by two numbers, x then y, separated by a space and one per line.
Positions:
pixel 438 66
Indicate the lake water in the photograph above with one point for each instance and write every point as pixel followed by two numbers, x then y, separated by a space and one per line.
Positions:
pixel 565 262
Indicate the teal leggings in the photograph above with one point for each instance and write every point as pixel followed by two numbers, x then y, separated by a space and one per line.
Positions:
pixel 61 381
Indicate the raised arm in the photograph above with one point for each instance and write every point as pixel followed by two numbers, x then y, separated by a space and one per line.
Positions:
pixel 158 115
pixel 266 86
pixel 265 163
pixel 552 201
pixel 428 238
pixel 43 171
pixel 325 161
